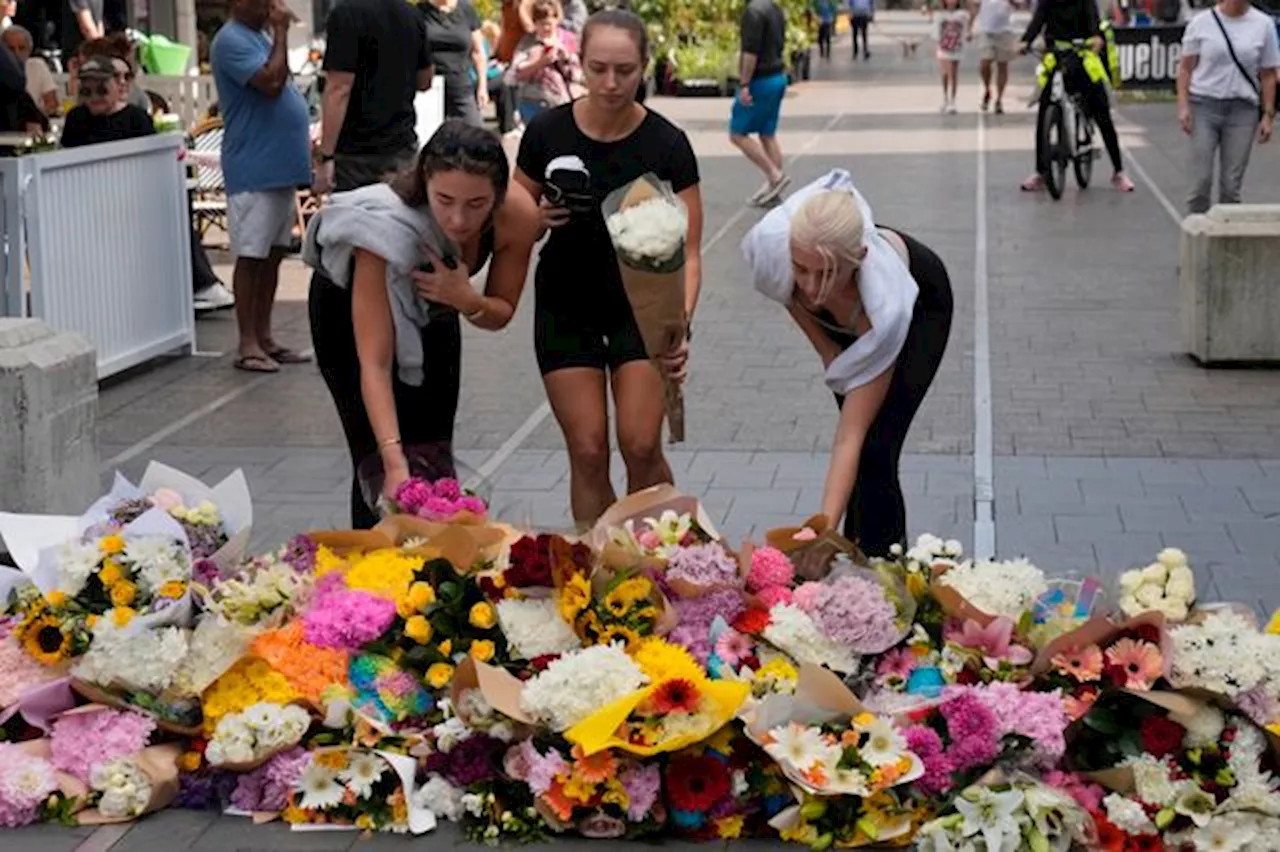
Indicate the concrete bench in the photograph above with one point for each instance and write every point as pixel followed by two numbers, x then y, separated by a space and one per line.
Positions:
pixel 1229 275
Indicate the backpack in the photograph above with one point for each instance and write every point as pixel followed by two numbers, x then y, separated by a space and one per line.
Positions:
pixel 1167 11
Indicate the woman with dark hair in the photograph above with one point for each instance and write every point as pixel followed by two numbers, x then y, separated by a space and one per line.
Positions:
pixel 393 263
pixel 571 157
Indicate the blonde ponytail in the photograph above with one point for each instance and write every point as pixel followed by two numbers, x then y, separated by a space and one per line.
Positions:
pixel 830 223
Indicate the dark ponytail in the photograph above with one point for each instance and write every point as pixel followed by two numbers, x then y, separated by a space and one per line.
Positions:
pixel 455 147
pixel 619 19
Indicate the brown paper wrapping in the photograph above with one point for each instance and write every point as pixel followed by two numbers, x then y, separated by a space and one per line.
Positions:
pixel 657 301
pixel 649 503
pixel 160 763
pixel 498 686
pixel 465 541
pixel 813 557
pixel 100 697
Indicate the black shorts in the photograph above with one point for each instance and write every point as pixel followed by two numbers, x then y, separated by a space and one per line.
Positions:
pixel 564 339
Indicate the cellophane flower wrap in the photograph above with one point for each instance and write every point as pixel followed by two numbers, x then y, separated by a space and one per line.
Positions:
pixel 355 787
pixel 648 224
pixel 440 500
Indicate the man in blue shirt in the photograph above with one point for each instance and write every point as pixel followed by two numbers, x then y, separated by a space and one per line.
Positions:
pixel 861 13
pixel 266 156
pixel 826 12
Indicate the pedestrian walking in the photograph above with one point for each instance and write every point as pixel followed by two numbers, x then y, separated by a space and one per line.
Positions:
pixel 266 157
pixel 861 14
pixel 997 45
pixel 585 334
pixel 762 84
pixel 385 312
pixel 376 60
pixel 949 27
pixel 826 12
pixel 1226 95
pixel 876 305
pixel 457 51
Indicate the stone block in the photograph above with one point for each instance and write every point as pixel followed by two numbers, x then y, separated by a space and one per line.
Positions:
pixel 1230 305
pixel 49 410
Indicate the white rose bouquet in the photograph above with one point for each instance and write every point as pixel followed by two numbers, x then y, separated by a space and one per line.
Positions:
pixel 124 788
pixel 1166 585
pixel 256 733
pixel 648 225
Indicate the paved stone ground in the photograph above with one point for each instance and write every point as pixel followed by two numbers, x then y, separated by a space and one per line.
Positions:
pixel 1109 443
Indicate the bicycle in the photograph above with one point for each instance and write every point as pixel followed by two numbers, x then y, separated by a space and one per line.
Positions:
pixel 1065 111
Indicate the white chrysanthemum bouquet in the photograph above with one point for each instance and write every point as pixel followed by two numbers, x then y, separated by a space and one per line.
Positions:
pixel 1166 585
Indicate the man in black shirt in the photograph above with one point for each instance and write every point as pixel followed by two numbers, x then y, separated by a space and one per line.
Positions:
pixel 376 60
pixel 1083 72
pixel 762 84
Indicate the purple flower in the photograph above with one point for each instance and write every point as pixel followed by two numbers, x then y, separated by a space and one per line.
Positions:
pixel 703 565
pixel 543 768
pixel 205 572
pixel 474 505
pixel 300 553
pixel 695 616
pixel 475 760
pixel 852 611
pixel 267 788
pixel 205 790
pixel 1039 716
pixel 642 783
pixel 448 488
pixel 81 741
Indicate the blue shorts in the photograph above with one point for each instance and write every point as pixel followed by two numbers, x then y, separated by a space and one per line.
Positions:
pixel 766 103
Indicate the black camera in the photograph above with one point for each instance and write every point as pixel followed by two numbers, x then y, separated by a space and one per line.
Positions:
pixel 569 186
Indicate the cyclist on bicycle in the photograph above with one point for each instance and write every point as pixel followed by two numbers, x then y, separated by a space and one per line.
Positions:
pixel 1082 72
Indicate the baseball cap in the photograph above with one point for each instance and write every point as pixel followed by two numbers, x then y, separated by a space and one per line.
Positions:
pixel 98 66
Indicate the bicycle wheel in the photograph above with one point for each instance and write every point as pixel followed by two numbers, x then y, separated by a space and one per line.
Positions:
pixel 1083 161
pixel 1052 136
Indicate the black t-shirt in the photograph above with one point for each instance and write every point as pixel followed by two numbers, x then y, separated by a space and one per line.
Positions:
pixel 764 34
pixel 71 35
pixel 449 37
pixel 84 128
pixel 381 42
pixel 1063 20
pixel 578 271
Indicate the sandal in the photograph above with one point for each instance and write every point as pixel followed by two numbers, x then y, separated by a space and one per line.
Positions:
pixel 284 355
pixel 256 364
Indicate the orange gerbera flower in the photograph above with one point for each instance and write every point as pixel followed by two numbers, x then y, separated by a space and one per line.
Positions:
pixel 596 768
pixel 676 696
pixel 1082 664
pixel 561 805
pixel 1140 663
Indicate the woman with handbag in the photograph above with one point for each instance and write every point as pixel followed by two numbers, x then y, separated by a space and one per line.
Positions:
pixel 1226 95
pixel 546 68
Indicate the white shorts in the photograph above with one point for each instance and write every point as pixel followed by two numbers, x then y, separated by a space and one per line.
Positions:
pixel 259 221
pixel 1000 47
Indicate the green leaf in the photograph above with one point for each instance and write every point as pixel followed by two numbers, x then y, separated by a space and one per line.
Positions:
pixel 1103 721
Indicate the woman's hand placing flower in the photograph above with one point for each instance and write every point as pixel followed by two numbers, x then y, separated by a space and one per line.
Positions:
pixel 447 286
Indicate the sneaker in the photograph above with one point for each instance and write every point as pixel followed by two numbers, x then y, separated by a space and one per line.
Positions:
pixel 1121 182
pixel 951 108
pixel 999 107
pixel 215 297
pixel 945 108
pixel 1035 183
pixel 760 193
pixel 986 101
pixel 773 190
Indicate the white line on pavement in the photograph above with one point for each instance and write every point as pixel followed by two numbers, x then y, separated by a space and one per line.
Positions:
pixel 186 420
pixel 984 522
pixel 494 462
pixel 1155 190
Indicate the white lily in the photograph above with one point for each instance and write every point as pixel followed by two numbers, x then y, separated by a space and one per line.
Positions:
pixel 992 815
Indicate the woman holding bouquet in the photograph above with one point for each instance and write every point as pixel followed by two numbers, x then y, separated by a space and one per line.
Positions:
pixel 393 264
pixel 876 305
pixel 585 334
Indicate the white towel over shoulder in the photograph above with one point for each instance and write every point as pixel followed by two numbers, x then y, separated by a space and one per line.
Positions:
pixel 888 291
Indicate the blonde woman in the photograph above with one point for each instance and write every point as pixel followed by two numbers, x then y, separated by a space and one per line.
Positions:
pixel 876 305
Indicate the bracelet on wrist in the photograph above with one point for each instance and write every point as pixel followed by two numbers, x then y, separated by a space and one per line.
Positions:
pixel 388 442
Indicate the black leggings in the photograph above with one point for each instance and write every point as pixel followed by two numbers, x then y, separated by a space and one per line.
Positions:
pixel 876 516
pixel 824 39
pixel 1095 102
pixel 425 413
pixel 859 25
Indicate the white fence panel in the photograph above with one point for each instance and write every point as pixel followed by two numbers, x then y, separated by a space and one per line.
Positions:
pixel 109 241
pixel 12 239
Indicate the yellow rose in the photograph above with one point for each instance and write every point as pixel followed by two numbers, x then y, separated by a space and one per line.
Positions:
pixel 482 650
pixel 295 815
pixel 173 589
pixel 91 621
pixel 56 598
pixel 122 615
pixel 446 647
pixel 111 573
pixel 123 593
pixel 439 675
pixel 482 616
pixel 111 545
pixel 418 629
pixel 421 595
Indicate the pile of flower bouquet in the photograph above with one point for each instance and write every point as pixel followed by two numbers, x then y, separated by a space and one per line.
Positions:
pixel 644 680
